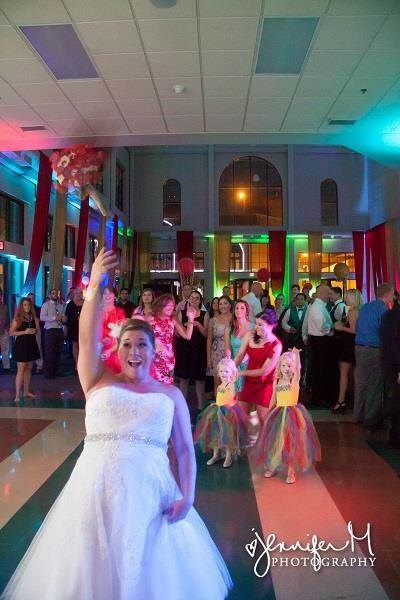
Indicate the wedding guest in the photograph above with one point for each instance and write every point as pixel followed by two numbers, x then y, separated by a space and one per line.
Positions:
pixel 123 302
pixel 186 291
pixel 52 314
pixel 390 361
pixel 252 299
pixel 113 317
pixel 24 327
pixel 73 312
pixel 369 380
pixel 39 334
pixel 347 358
pixel 279 305
pixel 216 337
pixel 146 300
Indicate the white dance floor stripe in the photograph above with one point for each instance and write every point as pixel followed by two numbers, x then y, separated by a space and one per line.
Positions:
pixel 292 512
pixel 28 467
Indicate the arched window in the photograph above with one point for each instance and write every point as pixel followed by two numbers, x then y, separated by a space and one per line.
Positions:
pixel 172 202
pixel 329 203
pixel 250 193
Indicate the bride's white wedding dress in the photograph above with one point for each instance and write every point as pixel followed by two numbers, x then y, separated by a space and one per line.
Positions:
pixel 106 537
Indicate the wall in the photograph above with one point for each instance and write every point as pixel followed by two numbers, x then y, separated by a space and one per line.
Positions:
pixel 153 166
pixel 348 169
pixel 384 193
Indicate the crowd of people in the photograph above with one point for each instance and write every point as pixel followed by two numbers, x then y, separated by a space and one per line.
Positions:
pixel 342 342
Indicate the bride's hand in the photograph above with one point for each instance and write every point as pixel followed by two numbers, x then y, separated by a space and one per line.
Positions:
pixel 178 510
pixel 105 261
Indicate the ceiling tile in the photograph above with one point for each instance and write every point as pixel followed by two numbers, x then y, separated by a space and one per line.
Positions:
pixel 229 8
pixel 12 46
pixel 146 124
pixel 376 88
pixel 388 39
pixel 227 63
pixel 348 33
pixel 23 71
pixel 139 108
pixel 165 87
pixel 225 106
pixel 174 64
pixel 37 93
pixel 178 106
pixel 38 12
pixel 108 125
pixel 8 96
pixel 273 86
pixel 310 106
pixel 147 10
pixel 263 106
pixel 218 87
pixel 224 122
pixel 295 8
pixel 169 35
pixel 19 114
pixel 130 89
pixel 259 123
pixel 296 122
pixel 311 87
pixel 361 7
pixel 97 109
pixel 93 10
pixel 228 34
pixel 55 111
pixel 379 64
pixel 334 63
pixel 7 132
pixel 110 37
pixel 350 108
pixel 122 66
pixel 70 127
pixel 182 124
pixel 85 90
pixel 370 125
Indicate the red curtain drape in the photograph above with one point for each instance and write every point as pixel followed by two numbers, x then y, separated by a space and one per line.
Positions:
pixel 277 258
pixel 39 223
pixel 368 244
pixel 184 243
pixel 359 245
pixel 82 238
pixel 134 260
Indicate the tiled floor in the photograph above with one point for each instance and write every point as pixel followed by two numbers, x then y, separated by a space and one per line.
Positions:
pixel 41 440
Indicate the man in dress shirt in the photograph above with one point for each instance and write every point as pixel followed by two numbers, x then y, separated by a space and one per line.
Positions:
pixel 253 301
pixel 52 314
pixel 369 379
pixel 292 324
pixel 318 334
pixel 338 311
pixel 187 289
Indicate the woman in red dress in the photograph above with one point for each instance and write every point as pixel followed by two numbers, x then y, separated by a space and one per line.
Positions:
pixel 263 349
pixel 112 316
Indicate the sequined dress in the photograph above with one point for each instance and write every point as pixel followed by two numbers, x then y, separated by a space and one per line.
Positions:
pixel 164 360
pixel 106 537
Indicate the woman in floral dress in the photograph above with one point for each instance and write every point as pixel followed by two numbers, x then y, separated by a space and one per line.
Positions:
pixel 165 324
pixel 216 337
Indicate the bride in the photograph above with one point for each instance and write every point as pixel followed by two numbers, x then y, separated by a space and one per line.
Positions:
pixel 122 529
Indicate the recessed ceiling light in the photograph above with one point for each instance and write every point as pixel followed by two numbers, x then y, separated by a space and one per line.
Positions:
pixel 179 89
pixel 163 3
pixel 34 128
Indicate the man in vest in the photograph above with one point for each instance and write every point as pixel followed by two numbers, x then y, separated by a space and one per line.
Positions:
pixel 292 324
pixel 338 310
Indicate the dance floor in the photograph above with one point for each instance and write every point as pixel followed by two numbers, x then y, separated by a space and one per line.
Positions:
pixel 41 440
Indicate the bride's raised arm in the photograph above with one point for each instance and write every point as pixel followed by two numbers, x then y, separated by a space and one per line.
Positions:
pixel 90 367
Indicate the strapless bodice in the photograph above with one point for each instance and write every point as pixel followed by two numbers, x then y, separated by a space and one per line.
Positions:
pixel 121 411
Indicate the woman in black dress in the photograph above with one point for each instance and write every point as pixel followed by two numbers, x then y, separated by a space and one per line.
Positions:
pixel 24 327
pixel 191 355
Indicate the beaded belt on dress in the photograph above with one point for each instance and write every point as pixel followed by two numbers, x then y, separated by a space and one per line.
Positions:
pixel 126 437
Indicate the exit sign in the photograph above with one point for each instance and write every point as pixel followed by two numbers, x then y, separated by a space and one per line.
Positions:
pixel 1 244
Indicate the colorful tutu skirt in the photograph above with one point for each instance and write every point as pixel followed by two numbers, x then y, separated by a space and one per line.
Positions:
pixel 222 427
pixel 288 439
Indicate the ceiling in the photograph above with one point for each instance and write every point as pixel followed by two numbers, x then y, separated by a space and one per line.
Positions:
pixel 210 47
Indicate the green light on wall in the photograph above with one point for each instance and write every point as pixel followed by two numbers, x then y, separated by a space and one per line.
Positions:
pixel 129 232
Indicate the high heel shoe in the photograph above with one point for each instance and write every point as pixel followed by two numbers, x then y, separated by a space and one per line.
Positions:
pixel 340 409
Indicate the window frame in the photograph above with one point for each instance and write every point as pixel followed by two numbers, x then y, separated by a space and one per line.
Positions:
pixel 327 204
pixel 174 220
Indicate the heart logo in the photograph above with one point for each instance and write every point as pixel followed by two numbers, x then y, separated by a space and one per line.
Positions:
pixel 251 548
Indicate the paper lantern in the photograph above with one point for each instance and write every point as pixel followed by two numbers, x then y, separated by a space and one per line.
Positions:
pixel 341 271
pixel 263 275
pixel 186 267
